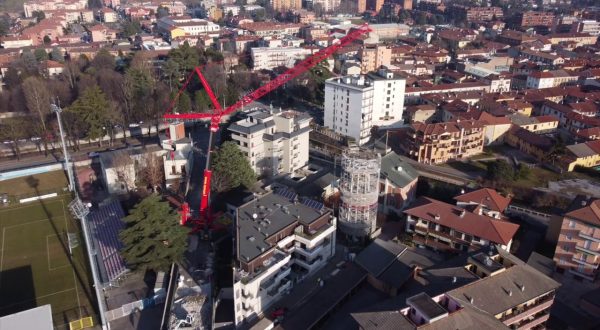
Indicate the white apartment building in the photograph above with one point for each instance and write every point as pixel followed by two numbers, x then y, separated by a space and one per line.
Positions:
pixel 327 5
pixel 354 104
pixel 269 58
pixel 273 142
pixel 281 240
pixel 30 6
pixel 587 26
pixel 190 26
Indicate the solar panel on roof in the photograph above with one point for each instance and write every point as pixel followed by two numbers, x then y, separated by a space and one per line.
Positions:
pixel 312 203
pixel 286 193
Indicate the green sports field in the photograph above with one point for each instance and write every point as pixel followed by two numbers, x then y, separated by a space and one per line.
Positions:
pixel 35 267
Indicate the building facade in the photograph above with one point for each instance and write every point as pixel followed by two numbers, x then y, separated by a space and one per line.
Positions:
pixel 273 142
pixel 578 246
pixel 264 58
pixel 448 228
pixel 373 57
pixel 280 241
pixel 441 142
pixel 354 104
pixel 284 5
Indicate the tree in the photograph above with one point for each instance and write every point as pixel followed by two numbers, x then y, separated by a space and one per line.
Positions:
pixel 38 14
pixel 231 168
pixel 523 172
pixel 40 55
pixel 37 99
pixel 47 40
pixel 103 60
pixel 162 12
pixel 186 57
pixel 4 25
pixel 13 129
pixel 153 238
pixel 184 103
pixel 97 4
pixel 56 55
pixel 500 170
pixel 170 71
pixel 130 28
pixel 123 165
pixel 91 107
pixel 152 172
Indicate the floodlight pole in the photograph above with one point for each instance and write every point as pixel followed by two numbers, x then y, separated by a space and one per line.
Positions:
pixel 82 215
pixel 58 110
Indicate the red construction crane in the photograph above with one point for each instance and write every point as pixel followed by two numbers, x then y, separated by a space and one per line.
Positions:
pixel 219 112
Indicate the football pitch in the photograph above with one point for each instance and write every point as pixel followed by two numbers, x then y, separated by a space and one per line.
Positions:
pixel 35 263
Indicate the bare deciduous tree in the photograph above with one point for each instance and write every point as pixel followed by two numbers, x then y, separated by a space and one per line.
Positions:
pixel 123 165
pixel 152 171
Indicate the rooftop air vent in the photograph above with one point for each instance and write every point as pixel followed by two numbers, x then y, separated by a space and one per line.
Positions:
pixel 437 217
pixel 251 238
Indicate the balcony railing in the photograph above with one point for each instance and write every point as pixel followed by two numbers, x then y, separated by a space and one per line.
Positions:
pixel 588 251
pixel 585 262
pixel 588 237
pixel 526 311
pixel 545 315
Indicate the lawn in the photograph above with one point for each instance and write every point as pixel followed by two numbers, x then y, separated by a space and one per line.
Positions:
pixel 35 266
pixel 31 185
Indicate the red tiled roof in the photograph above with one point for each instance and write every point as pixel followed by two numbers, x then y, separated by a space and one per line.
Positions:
pixel 488 197
pixel 496 231
pixel 589 213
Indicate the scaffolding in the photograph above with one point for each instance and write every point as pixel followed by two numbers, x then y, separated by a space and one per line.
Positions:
pixel 359 188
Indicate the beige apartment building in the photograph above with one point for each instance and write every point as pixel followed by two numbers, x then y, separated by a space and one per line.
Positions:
pixel 578 245
pixel 282 5
pixel 374 56
pixel 441 142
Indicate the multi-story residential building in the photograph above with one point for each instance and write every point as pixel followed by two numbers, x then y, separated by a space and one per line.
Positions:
pixel 549 79
pixel 327 5
pixel 375 5
pixel 587 26
pixel 174 27
pixel 15 42
pixel 354 104
pixel 280 241
pixel 534 18
pixel 264 58
pixel 441 142
pixel 531 143
pixel 513 292
pixel 449 228
pixel 493 290
pixel 389 31
pixel 107 15
pixel 490 201
pixel 374 56
pixel 361 6
pixel 477 14
pixel 270 29
pixel 273 142
pixel 579 39
pixel 285 5
pixel 578 245
pixel 30 6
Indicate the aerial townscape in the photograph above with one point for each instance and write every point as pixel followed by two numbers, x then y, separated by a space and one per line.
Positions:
pixel 299 164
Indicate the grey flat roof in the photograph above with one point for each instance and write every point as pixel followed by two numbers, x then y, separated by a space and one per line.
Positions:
pixel 39 318
pixel 252 128
pixel 426 305
pixel 378 256
pixel 395 169
pixel 334 290
pixel 273 213
pixel 541 263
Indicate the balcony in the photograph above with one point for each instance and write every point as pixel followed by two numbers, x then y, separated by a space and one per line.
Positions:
pixel 309 253
pixel 545 315
pixel 576 272
pixel 310 265
pixel 312 237
pixel 588 237
pixel 282 287
pixel 283 272
pixel 527 311
pixel 588 251
pixel 585 262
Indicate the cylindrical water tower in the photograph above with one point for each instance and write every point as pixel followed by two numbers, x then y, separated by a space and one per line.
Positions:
pixel 359 188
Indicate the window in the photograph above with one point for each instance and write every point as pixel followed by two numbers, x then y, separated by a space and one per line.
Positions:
pixel 569 237
pixel 571 224
pixel 566 248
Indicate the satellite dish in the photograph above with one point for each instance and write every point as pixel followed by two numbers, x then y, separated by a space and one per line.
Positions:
pixel 254 215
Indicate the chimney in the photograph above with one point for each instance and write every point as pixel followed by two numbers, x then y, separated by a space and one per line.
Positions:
pixel 437 217
pixel 462 213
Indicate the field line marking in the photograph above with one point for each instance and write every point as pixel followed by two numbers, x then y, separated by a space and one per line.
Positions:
pixel 30 222
pixel 48 252
pixel 2 255
pixel 30 205
pixel 38 297
pixel 50 268
pixel 76 292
